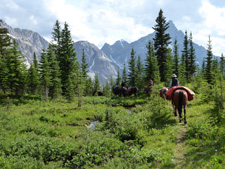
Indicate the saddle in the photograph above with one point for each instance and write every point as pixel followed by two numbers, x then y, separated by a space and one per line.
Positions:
pixel 169 93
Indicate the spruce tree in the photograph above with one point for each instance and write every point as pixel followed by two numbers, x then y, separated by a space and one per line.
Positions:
pixel 45 74
pixel 208 68
pixel 32 79
pixel 222 64
pixel 67 60
pixel 124 74
pixel 33 76
pixel 88 87
pixel 132 70
pixel 118 79
pixel 139 74
pixel 161 42
pixel 55 87
pixel 107 89
pixel 15 63
pixel 97 85
pixel 5 50
pixel 176 57
pixel 151 68
pixel 192 59
pixel 185 56
pixel 56 39
pixel 169 65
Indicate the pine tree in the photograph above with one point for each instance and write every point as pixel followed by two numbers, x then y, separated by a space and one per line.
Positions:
pixel 208 68
pixel 67 60
pixel 151 68
pixel 45 74
pixel 124 74
pixel 88 87
pixel 97 85
pixel 139 74
pixel 33 76
pixel 5 50
pixel 192 65
pixel 15 63
pixel 55 87
pixel 56 39
pixel 169 65
pixel 107 89
pixel 161 42
pixel 118 79
pixel 185 56
pixel 69 89
pixel 176 57
pixel 222 64
pixel 132 70
pixel 32 79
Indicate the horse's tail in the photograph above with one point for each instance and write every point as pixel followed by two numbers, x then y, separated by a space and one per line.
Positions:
pixel 180 102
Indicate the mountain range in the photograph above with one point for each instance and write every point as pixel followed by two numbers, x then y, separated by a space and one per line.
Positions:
pixel 104 62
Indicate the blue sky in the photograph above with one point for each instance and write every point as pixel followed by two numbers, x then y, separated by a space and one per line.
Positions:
pixel 106 21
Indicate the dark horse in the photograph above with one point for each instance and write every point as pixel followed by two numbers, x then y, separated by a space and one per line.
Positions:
pixel 180 99
pixel 99 93
pixel 124 91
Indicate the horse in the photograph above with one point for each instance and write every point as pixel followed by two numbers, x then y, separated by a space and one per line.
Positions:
pixel 99 93
pixel 162 92
pixel 148 90
pixel 180 99
pixel 125 91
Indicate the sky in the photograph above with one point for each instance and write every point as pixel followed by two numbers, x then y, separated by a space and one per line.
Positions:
pixel 106 21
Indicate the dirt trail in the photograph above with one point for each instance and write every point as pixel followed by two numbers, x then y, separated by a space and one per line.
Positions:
pixel 179 152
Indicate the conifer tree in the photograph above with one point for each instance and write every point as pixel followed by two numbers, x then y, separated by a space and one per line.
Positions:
pixel 208 68
pixel 5 45
pixel 15 63
pixel 55 88
pixel 222 64
pixel 45 74
pixel 169 65
pixel 161 42
pixel 56 39
pixel 176 57
pixel 69 89
pixel 118 79
pixel 84 66
pixel 139 74
pixel 97 85
pixel 151 68
pixel 124 74
pixel 185 56
pixel 33 76
pixel 132 70
pixel 88 87
pixel 192 65
pixel 67 60
pixel 107 89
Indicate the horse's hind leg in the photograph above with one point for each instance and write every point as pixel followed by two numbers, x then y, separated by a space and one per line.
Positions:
pixel 174 110
pixel 185 122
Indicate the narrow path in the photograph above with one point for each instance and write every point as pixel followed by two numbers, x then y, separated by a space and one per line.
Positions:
pixel 180 149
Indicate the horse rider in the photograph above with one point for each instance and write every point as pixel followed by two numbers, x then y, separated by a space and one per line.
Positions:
pixel 123 85
pixel 151 83
pixel 174 81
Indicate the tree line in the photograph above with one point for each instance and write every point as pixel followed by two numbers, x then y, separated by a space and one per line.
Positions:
pixel 59 73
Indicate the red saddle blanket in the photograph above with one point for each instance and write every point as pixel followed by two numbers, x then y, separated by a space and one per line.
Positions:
pixel 169 93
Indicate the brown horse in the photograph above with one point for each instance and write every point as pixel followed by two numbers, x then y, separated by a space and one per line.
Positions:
pixel 180 99
pixel 162 92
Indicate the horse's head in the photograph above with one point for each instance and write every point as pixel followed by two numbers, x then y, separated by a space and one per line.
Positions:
pixel 162 92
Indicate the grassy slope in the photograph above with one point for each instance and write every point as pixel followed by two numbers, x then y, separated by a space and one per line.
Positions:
pixel 54 135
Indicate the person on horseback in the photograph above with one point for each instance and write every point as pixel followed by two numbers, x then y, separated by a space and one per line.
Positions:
pixel 174 81
pixel 123 85
pixel 151 83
